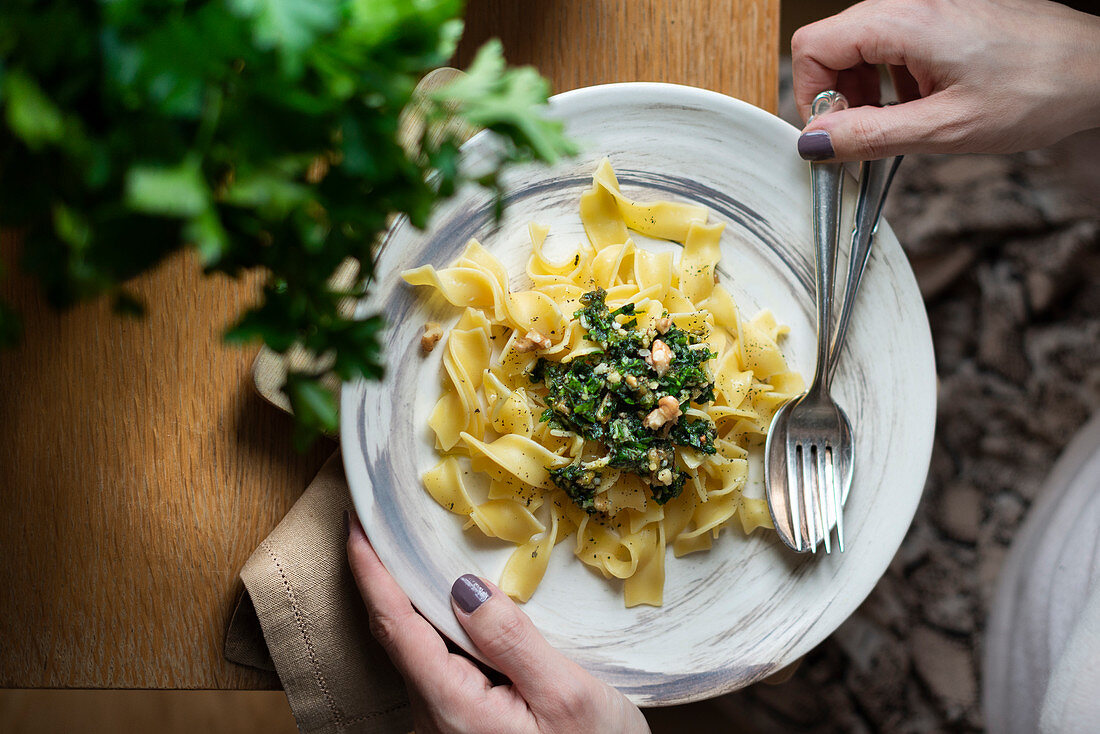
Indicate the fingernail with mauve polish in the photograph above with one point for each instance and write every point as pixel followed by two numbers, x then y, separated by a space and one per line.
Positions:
pixel 815 146
pixel 469 593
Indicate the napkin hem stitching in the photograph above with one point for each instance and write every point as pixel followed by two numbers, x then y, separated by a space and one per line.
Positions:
pixel 376 714
pixel 303 630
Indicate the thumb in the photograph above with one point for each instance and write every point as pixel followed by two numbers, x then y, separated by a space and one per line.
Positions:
pixel 508 639
pixel 926 125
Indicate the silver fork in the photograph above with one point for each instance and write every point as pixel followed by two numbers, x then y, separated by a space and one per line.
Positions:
pixel 790 511
pixel 809 447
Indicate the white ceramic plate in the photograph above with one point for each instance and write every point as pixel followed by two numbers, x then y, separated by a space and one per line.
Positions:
pixel 747 607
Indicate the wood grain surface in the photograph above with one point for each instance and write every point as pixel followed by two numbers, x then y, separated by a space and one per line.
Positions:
pixel 138 469
pixel 728 46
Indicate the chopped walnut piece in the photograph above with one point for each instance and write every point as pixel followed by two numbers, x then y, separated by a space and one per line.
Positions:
pixel 667 411
pixel 663 324
pixel 433 332
pixel 664 476
pixel 543 341
pixel 534 340
pixel 660 355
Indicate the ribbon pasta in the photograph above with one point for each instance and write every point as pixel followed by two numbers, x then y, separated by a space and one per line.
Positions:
pixel 487 419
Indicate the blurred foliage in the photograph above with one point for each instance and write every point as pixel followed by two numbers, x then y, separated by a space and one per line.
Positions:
pixel 261 133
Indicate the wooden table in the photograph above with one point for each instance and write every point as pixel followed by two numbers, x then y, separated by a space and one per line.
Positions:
pixel 138 469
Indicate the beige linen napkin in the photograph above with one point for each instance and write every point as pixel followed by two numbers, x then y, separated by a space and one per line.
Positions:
pixel 301 615
pixel 300 593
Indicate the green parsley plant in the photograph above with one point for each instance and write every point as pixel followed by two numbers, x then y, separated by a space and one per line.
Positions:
pixel 261 133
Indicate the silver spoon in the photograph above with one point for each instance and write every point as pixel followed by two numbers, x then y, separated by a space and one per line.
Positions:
pixel 875 178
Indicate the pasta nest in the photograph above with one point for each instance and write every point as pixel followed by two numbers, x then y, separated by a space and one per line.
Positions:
pixel 487 423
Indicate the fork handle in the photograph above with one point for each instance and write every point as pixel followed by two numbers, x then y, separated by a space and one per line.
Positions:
pixel 826 181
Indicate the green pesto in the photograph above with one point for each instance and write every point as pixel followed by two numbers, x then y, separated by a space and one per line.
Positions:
pixel 584 397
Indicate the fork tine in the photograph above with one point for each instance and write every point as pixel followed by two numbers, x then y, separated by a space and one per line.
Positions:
pixel 835 499
pixel 837 504
pixel 822 486
pixel 808 502
pixel 826 463
pixel 793 485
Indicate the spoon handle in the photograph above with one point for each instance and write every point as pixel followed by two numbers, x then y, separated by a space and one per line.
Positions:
pixel 826 181
pixel 874 181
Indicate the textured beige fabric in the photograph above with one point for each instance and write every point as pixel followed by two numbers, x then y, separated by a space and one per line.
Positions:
pixel 314 624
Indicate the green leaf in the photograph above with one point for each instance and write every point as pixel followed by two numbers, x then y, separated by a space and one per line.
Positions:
pixel 507 102
pixel 208 236
pixel 271 191
pixel 177 191
pixel 288 24
pixel 268 323
pixel 376 22
pixel 260 133
pixel 312 403
pixel 31 115
pixel 71 227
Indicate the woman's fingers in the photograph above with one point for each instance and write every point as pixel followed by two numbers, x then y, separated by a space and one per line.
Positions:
pixel 986 76
pixel 864 35
pixel 930 124
pixel 511 644
pixel 561 695
pixel 841 53
pixel 821 51
pixel 411 642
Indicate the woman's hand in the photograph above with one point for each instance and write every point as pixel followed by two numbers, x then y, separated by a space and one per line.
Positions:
pixel 548 693
pixel 973 76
